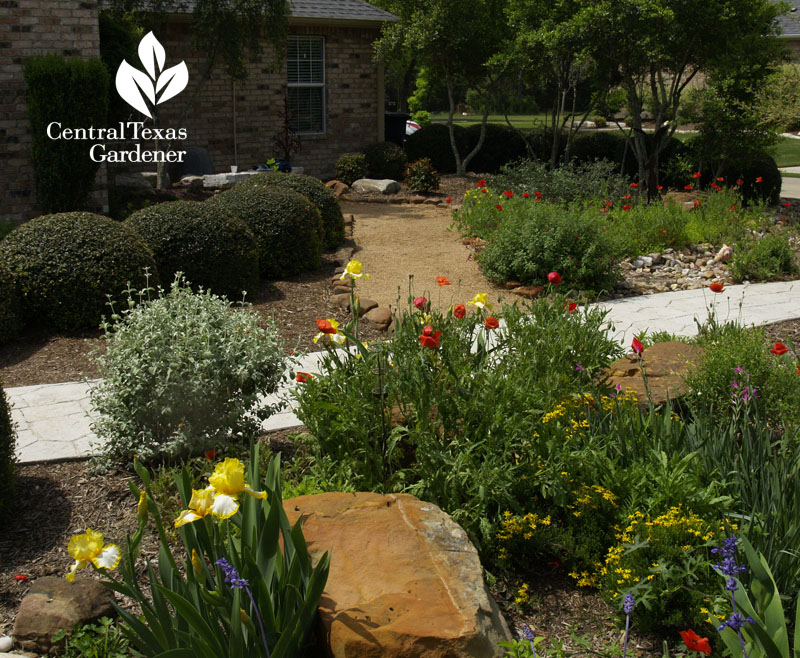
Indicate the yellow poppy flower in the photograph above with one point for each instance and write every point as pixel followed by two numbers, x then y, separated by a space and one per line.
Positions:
pixel 87 548
pixel 480 300
pixel 199 506
pixel 354 270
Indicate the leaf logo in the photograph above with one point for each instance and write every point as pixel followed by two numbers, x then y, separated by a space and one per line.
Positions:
pixel 156 85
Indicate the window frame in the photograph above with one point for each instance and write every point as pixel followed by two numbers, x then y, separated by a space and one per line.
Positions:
pixel 310 85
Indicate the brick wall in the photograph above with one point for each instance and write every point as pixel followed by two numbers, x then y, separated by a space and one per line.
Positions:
pixel 351 95
pixel 35 27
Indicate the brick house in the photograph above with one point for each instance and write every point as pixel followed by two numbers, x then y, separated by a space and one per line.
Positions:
pixel 333 84
pixel 789 25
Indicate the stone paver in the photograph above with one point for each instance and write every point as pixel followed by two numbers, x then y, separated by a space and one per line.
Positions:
pixel 53 420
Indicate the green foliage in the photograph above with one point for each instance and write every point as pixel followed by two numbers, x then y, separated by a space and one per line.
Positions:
pixel 350 167
pixel 533 239
pixel 764 258
pixel 182 374
pixel 212 247
pixel 101 640
pixel 575 182
pixel 73 93
pixel 601 145
pixel 67 264
pixel 385 160
pixel 422 117
pixel 433 142
pixel 10 311
pixel 287 227
pixel 779 100
pixel 8 437
pixel 501 145
pixel 421 176
pixel 275 606
pixel 119 40
pixel 315 191
pixel 730 346
pixel 749 170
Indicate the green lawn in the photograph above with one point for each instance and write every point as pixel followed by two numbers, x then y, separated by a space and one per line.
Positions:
pixel 787 152
pixel 522 121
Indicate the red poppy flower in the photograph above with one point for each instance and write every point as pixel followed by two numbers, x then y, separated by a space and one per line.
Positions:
pixel 716 287
pixel 798 370
pixel 607 204
pixel 571 308
pixel 659 187
pixel 637 346
pixel 759 179
pixel 429 338
pixel 554 278
pixel 554 563
pixel 626 207
pixel 525 195
pixel 449 199
pixel 697 203
pixel 538 195
pixel 716 187
pixel 779 348
pixel 304 377
pixel 499 207
pixel 627 196
pixel 740 181
pixel 21 577
pixel 696 175
pixel 492 322
pixel 459 311
pixel 696 643
pixel 663 230
pixel 720 179
pixel 442 281
pixel 732 208
pixel 210 454
pixel 509 193
pixel 688 187
pixel 420 302
pixel 787 204
pixel 484 190
pixel 634 184
pixel 325 327
pixel 481 183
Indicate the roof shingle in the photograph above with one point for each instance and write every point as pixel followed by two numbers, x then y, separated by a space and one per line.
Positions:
pixel 348 10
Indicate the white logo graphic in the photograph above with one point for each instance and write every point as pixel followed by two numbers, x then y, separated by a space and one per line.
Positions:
pixel 135 86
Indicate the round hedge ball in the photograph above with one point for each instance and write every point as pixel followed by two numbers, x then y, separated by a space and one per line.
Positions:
pixel 66 265
pixel 316 192
pixel 286 225
pixel 10 310
pixel 209 244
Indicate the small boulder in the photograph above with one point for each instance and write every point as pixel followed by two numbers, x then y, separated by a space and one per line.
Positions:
pixel 382 186
pixel 337 187
pixel 530 292
pixel 53 603
pixel 405 581
pixel 380 318
pixel 666 366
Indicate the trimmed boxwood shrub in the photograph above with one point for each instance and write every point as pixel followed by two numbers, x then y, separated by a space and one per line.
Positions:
pixel 749 170
pixel 385 160
pixel 211 246
pixel 319 195
pixel 67 264
pixel 7 456
pixel 286 225
pixel 350 167
pixel 501 145
pixel 433 142
pixel 10 312
pixel 603 145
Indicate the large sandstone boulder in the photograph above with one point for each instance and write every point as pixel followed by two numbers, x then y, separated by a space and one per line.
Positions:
pixel 405 581
pixel 382 186
pixel 666 366
pixel 53 603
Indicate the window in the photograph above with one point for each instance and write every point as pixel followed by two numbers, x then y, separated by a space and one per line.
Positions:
pixel 305 67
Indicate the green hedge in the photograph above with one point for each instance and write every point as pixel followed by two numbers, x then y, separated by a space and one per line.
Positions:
pixel 66 264
pixel 7 457
pixel 749 170
pixel 211 246
pixel 385 160
pixel 501 145
pixel 316 192
pixel 287 227
pixel 74 93
pixel 10 311
pixel 433 142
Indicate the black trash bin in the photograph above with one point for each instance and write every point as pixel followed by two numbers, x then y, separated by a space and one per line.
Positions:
pixel 394 127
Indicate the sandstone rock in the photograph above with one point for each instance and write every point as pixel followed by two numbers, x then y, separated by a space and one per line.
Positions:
pixel 337 187
pixel 510 285
pixel 405 581
pixel 528 291
pixel 416 199
pixel 379 317
pixel 53 603
pixel 382 186
pixel 365 304
pixel 666 365
pixel 432 202
pixel 341 300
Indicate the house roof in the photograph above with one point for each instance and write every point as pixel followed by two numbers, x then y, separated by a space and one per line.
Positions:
pixel 789 23
pixel 348 11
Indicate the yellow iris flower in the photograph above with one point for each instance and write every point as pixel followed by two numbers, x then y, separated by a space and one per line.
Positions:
pixel 334 336
pixel 480 300
pixel 199 506
pixel 87 548
pixel 354 270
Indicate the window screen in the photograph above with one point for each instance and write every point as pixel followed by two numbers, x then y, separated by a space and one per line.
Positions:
pixel 305 70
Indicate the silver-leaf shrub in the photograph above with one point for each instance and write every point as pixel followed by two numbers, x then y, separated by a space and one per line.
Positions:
pixel 183 373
